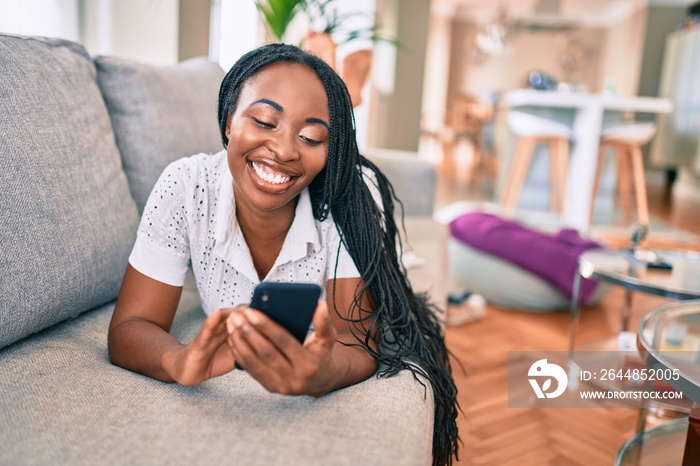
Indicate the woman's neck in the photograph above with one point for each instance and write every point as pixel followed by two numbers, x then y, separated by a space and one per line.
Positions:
pixel 264 232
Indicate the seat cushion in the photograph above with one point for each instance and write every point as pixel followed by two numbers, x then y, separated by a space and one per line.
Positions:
pixel 515 264
pixel 633 133
pixel 68 220
pixel 64 403
pixel 505 284
pixel 160 114
pixel 552 257
pixel 529 125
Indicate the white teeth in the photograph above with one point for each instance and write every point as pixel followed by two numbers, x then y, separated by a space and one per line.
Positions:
pixel 269 177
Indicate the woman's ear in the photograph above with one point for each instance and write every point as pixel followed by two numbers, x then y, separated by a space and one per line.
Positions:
pixel 228 127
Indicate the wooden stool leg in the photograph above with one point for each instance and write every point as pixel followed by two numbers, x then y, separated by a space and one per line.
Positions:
pixel 626 183
pixel 640 187
pixel 554 175
pixel 517 173
pixel 624 170
pixel 448 153
pixel 596 181
pixel 478 155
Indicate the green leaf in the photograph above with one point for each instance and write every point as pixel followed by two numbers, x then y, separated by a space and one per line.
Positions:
pixel 278 14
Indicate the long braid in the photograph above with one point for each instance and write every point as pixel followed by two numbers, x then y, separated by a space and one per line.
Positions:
pixel 402 325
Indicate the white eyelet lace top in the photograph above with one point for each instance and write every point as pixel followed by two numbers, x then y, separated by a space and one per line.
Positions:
pixel 190 218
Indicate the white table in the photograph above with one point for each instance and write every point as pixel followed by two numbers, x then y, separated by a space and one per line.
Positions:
pixel 587 125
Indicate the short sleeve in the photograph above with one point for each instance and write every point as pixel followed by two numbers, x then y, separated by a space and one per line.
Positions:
pixel 162 250
pixel 337 252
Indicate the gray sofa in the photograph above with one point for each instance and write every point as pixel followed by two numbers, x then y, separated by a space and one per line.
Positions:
pixel 82 140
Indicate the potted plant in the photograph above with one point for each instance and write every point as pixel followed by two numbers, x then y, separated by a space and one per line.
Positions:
pixel 325 23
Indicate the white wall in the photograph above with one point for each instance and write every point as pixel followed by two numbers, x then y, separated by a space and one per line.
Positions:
pixel 621 62
pixel 145 31
pixel 614 52
pixel 236 29
pixel 539 51
pixel 436 81
pixel 49 18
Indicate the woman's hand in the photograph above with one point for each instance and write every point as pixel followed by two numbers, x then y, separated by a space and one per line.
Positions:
pixel 208 355
pixel 277 360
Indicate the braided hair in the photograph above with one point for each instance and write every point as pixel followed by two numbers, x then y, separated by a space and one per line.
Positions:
pixel 403 326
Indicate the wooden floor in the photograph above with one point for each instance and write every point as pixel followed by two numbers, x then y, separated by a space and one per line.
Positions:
pixel 493 434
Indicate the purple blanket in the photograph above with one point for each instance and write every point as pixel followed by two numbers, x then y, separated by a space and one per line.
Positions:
pixel 554 258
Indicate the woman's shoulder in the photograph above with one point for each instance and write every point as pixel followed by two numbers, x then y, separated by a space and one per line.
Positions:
pixel 198 163
pixel 201 169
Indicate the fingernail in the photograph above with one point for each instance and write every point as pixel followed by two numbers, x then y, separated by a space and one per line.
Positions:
pixel 237 319
pixel 253 318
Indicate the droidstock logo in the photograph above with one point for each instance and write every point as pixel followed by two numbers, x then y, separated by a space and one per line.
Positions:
pixel 547 371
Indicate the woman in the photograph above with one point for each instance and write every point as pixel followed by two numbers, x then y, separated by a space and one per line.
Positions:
pixel 286 201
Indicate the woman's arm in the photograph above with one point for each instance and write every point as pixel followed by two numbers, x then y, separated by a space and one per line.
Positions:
pixel 139 339
pixel 282 365
pixel 352 363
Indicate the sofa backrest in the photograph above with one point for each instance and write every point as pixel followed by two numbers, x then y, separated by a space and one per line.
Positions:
pixel 82 142
pixel 413 178
pixel 160 114
pixel 68 220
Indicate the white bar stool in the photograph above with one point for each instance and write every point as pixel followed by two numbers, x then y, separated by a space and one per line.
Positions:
pixel 627 141
pixel 532 130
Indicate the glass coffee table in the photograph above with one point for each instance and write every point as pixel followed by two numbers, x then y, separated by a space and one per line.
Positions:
pixel 669 343
pixel 679 279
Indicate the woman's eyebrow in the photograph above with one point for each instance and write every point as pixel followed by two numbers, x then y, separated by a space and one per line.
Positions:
pixel 269 102
pixel 319 121
pixel 280 109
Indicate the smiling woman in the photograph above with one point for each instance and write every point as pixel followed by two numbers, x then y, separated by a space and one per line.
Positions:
pixel 281 139
pixel 287 201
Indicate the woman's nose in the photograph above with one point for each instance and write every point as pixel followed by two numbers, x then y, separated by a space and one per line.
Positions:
pixel 283 144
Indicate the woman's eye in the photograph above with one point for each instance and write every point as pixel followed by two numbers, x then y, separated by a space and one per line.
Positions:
pixel 263 124
pixel 310 141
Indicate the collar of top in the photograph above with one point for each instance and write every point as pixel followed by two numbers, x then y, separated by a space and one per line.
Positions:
pixel 230 245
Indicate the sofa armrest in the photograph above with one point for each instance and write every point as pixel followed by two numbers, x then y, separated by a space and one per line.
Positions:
pixel 425 247
pixel 413 178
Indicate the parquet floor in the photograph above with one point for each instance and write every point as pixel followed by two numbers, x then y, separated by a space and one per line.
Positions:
pixel 493 434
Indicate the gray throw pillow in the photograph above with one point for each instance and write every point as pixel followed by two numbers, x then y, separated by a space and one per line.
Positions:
pixel 160 114
pixel 68 221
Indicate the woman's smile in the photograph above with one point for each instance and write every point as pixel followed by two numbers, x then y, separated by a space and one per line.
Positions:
pixel 269 178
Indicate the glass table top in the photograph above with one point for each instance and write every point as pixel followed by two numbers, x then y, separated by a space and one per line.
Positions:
pixel 669 338
pixel 661 445
pixel 671 274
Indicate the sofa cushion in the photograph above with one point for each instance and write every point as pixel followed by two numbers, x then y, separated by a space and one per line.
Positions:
pixel 64 403
pixel 413 178
pixel 552 257
pixel 68 221
pixel 160 114
pixel 503 283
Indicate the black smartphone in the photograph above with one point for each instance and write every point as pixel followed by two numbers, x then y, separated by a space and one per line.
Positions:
pixel 291 305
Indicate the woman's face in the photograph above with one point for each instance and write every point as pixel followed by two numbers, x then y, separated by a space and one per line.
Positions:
pixel 278 135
